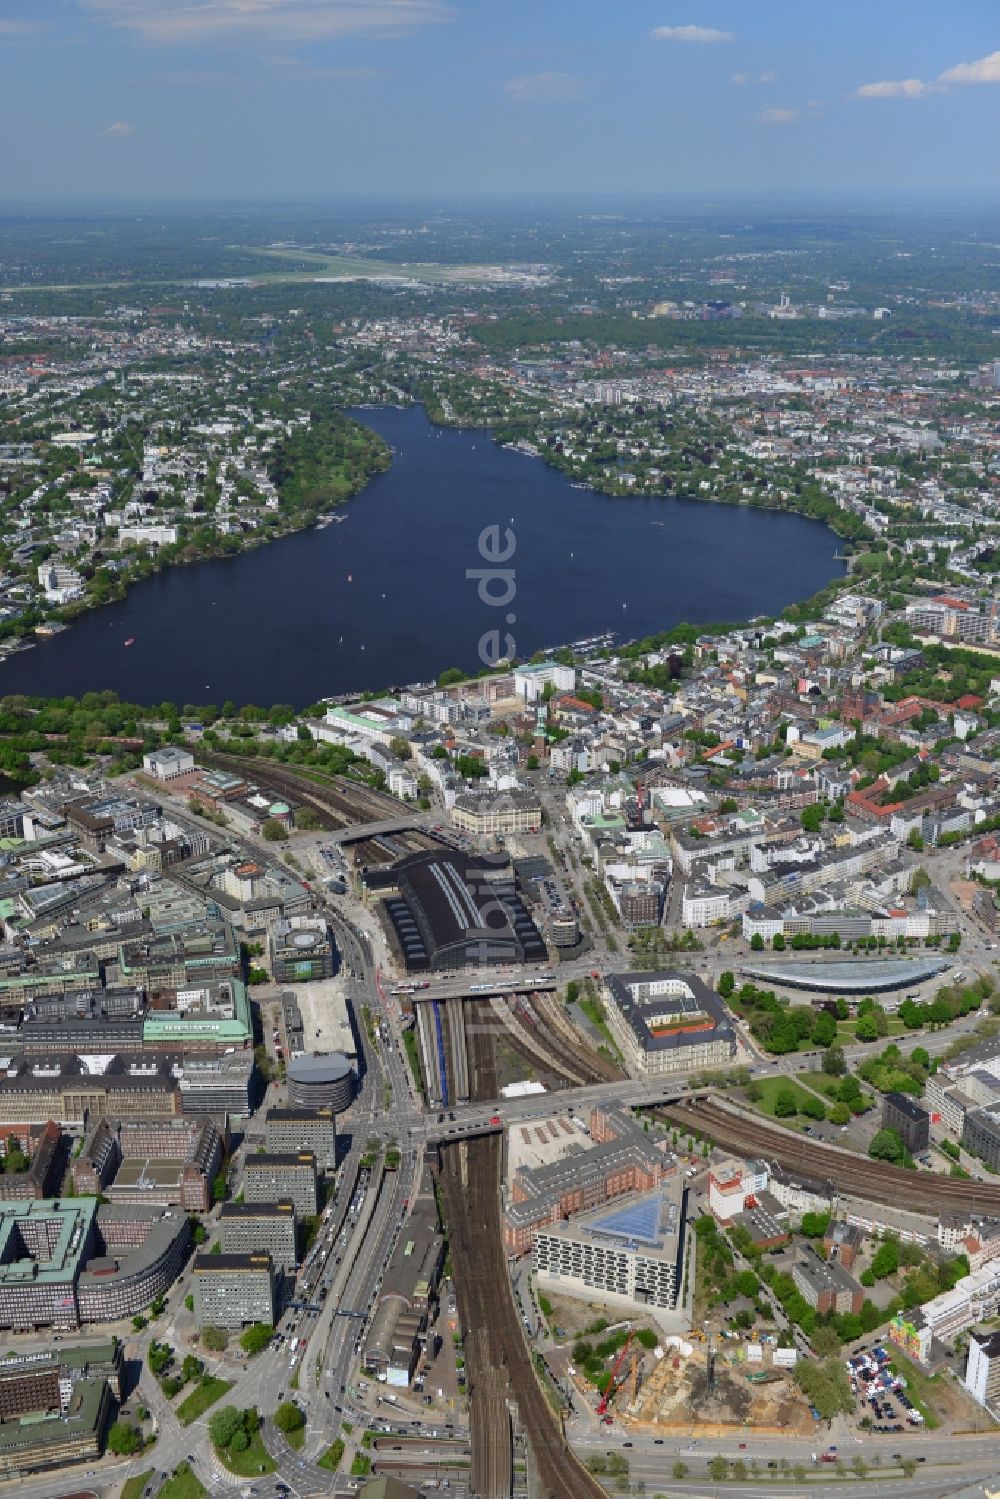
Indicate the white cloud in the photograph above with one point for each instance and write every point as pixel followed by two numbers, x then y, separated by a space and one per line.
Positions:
pixel 544 88
pixel 119 131
pixel 178 21
pixel 778 116
pixel 887 88
pixel 691 34
pixel 741 78
pixel 18 28
pixel 984 70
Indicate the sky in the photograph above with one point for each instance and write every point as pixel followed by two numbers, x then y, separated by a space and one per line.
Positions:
pixel 261 100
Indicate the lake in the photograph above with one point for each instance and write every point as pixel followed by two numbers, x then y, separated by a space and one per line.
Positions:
pixel 384 596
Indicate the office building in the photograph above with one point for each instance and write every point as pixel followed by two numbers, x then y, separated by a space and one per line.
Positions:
pixel 288 1177
pixel 63 1263
pixel 622 1159
pixel 164 1162
pixel 46 1156
pixel 321 1080
pixel 299 949
pixel 667 1022
pixel 488 813
pixel 631 1255
pixel 734 1186
pixel 54 1437
pixel 232 1290
pixel 260 1228
pixel 293 1130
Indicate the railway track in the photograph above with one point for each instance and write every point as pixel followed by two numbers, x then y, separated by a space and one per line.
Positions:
pixel 343 801
pixel 875 1181
pixel 496 1346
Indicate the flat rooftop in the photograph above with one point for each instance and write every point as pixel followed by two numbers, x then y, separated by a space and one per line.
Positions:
pixel 542 1142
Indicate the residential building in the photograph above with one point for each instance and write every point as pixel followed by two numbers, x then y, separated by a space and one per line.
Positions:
pixel 826 1285
pixel 982 1369
pixel 913 1124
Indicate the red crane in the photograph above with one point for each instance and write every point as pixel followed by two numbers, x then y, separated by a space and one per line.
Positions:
pixel 609 1393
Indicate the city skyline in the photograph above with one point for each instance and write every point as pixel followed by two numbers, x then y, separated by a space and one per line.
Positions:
pixel 321 98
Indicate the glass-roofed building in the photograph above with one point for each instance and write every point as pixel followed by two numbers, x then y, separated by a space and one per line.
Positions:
pixel 629 1255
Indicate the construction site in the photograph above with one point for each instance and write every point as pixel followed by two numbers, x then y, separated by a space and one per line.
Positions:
pixel 701 1388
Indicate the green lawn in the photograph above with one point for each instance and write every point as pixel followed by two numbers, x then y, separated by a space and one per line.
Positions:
pixel 846 1036
pixel 331 1458
pixel 133 1487
pixel 205 1394
pixel 770 1088
pixel 182 1484
pixel 820 1081
pixel 920 1387
pixel 296 1438
pixel 249 1464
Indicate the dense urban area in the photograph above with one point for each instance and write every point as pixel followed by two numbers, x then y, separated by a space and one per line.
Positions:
pixel 579 1073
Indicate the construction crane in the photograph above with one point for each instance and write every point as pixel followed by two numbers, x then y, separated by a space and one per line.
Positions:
pixel 609 1393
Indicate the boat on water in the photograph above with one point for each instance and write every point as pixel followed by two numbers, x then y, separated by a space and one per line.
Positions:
pixel 130 640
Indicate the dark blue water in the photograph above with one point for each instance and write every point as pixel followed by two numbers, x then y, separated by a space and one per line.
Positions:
pixel 383 597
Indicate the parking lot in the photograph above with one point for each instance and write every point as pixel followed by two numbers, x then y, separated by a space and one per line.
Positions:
pixel 882 1395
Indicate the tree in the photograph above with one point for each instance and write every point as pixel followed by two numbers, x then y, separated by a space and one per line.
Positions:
pixel 727 984
pixel 813 1108
pixel 224 1424
pixel 124 1439
pixel 825 1385
pixel 191 1367
pixel 825 1030
pixel 886 1259
pixel 840 1114
pixel 254 1339
pixel 274 831
pixel 215 1339
pixel 826 1342
pixel 680 1469
pixel 834 1062
pixel 886 1146
pixel 756 945
pixel 866 1028
pixel 288 1417
pixel 718 1469
pixel 784 1104
pixel 778 942
pixel 915 841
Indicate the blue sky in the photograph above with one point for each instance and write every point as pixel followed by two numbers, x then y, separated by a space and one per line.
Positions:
pixel 262 99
